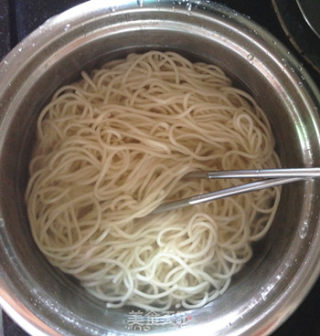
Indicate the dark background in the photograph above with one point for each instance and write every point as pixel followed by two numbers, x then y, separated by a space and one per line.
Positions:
pixel 19 17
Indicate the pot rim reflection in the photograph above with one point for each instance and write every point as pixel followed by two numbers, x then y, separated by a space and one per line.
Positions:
pixel 71 35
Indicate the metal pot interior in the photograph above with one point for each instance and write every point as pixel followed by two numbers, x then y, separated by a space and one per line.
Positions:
pixel 284 264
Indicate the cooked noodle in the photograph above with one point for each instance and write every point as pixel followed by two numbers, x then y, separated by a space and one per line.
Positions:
pixel 115 145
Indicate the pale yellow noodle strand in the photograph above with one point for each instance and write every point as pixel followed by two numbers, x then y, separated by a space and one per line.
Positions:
pixel 115 145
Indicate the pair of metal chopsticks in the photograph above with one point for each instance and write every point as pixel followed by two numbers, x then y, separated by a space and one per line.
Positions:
pixel 271 178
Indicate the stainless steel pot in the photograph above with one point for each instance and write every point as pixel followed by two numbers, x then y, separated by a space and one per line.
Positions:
pixel 285 264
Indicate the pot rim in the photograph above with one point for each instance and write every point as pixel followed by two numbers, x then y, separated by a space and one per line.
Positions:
pixel 52 30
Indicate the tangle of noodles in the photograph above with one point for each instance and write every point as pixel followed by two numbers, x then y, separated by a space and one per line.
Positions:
pixel 114 146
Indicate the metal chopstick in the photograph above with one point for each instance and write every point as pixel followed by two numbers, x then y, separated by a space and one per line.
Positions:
pixel 202 198
pixel 258 173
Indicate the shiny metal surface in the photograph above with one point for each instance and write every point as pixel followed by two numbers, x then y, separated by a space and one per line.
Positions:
pixel 310 10
pixel 285 264
pixel 257 173
pixel 227 192
pixel 297 30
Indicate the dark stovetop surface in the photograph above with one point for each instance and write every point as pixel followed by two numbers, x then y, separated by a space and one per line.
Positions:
pixel 19 17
